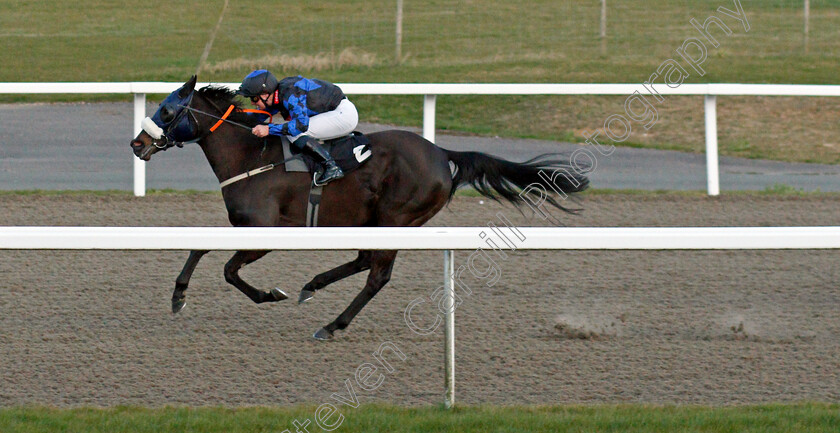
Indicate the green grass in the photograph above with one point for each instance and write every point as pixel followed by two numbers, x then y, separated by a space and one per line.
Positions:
pixel 782 418
pixel 455 41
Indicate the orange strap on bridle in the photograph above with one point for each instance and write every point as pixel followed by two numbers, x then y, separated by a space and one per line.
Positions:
pixel 222 119
pixel 248 110
pixel 230 110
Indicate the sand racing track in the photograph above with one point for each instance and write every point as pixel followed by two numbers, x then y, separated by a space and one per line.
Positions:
pixel 711 327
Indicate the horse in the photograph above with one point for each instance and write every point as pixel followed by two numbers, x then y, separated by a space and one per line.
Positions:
pixel 405 182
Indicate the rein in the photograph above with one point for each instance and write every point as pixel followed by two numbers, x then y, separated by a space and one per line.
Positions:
pixel 223 119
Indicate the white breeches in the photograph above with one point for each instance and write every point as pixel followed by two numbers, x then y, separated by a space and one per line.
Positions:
pixel 333 124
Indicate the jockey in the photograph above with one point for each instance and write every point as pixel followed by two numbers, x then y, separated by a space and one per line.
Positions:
pixel 312 109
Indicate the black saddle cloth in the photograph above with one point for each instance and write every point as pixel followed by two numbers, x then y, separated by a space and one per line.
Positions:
pixel 349 152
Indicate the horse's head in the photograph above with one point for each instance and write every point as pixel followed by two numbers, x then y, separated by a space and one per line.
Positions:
pixel 172 125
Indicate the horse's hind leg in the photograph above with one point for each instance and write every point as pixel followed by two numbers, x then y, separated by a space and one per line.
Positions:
pixel 183 280
pixel 322 280
pixel 232 267
pixel 382 262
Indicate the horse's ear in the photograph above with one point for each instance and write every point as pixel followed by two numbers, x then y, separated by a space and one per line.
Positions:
pixel 189 86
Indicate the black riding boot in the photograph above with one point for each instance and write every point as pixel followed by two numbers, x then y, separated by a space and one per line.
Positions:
pixel 331 170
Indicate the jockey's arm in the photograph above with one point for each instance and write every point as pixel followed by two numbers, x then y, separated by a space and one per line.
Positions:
pixel 299 118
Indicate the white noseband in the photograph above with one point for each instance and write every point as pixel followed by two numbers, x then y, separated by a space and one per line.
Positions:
pixel 149 126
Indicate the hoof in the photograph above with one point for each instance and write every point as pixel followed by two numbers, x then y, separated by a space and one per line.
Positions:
pixel 278 294
pixel 178 305
pixel 323 335
pixel 305 295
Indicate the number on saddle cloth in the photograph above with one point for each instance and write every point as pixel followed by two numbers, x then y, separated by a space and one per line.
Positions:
pixel 349 152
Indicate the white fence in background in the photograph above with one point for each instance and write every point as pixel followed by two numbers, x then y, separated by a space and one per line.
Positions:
pixel 431 90
pixel 417 238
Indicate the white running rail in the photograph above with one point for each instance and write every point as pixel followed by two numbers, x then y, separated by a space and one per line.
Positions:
pixel 431 90
pixel 414 238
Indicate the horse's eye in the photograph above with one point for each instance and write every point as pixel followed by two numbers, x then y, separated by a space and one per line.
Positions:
pixel 167 114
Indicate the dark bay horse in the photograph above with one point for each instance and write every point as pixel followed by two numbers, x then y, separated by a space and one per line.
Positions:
pixel 405 182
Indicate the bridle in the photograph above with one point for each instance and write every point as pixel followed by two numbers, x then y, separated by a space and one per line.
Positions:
pixel 175 132
pixel 167 137
pixel 167 132
pixel 224 117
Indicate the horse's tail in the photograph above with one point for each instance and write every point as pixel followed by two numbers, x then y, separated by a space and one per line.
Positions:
pixel 493 177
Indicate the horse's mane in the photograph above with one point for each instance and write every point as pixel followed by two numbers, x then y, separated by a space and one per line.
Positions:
pixel 224 97
pixel 220 94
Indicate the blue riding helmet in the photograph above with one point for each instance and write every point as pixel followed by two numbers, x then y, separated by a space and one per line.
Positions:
pixel 257 82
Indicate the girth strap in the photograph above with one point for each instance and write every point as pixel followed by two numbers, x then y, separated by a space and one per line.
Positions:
pixel 314 204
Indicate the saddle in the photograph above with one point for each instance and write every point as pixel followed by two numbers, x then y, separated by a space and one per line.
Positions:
pixel 349 152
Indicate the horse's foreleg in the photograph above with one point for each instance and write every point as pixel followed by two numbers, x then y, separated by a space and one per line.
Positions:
pixel 232 267
pixel 183 280
pixel 381 264
pixel 322 280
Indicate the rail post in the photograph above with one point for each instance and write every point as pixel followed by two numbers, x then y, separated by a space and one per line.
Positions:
pixel 139 164
pixel 429 117
pixel 449 326
pixel 712 172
